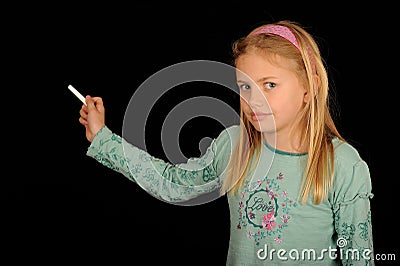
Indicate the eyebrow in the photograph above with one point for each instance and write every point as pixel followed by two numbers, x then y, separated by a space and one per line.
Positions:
pixel 260 80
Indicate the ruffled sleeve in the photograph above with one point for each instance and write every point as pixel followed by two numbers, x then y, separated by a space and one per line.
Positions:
pixel 352 212
pixel 166 181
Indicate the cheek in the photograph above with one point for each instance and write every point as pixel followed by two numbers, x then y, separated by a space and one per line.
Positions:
pixel 244 105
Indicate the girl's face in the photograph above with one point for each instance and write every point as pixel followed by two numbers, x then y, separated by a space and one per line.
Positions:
pixel 271 94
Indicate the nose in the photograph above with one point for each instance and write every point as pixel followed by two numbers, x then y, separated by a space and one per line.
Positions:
pixel 256 98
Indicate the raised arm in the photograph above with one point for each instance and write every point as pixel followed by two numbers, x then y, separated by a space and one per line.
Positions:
pixel 166 181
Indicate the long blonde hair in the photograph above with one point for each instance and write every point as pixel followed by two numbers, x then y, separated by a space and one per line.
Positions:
pixel 319 129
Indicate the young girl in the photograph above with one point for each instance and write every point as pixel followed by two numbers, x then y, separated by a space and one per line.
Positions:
pixel 297 191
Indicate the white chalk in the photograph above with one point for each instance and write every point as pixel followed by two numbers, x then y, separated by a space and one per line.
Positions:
pixel 77 94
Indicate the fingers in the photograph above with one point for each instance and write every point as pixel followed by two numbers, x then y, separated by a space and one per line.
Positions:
pixel 90 103
pixel 84 108
pixel 83 121
pixel 98 102
pixel 83 112
pixel 95 103
pixel 83 115
pixel 92 114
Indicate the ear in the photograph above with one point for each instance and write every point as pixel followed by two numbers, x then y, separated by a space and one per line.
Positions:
pixel 313 90
pixel 306 97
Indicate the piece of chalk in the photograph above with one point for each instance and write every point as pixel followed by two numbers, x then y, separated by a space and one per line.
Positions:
pixel 77 94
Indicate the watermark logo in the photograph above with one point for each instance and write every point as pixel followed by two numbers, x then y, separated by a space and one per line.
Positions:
pixel 339 251
pixel 341 242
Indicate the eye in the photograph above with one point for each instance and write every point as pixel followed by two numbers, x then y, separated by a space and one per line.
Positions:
pixel 244 87
pixel 269 85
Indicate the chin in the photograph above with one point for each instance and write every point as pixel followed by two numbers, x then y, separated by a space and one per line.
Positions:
pixel 265 126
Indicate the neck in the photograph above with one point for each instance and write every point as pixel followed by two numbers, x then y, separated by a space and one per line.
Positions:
pixel 285 143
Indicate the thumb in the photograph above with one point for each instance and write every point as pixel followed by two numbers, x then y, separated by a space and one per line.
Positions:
pixel 90 103
pixel 98 102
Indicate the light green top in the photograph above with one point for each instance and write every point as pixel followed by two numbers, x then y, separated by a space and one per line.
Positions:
pixel 268 224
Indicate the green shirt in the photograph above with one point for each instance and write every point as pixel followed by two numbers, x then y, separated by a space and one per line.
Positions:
pixel 268 224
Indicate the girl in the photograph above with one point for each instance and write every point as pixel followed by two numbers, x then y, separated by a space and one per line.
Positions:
pixel 297 191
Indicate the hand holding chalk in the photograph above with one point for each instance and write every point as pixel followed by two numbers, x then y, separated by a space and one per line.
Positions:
pixel 91 115
pixel 77 94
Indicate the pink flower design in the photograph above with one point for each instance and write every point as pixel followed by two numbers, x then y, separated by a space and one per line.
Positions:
pixel 285 218
pixel 269 221
pixel 251 215
pixel 278 239
pixel 272 194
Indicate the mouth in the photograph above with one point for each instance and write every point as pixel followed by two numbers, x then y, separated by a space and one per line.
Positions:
pixel 259 116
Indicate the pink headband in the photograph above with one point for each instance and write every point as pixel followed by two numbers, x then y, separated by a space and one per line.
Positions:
pixel 286 33
pixel 280 31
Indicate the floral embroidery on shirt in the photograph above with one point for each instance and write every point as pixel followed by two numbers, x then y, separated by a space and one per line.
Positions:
pixel 265 213
pixel 356 235
pixel 111 159
pixel 136 168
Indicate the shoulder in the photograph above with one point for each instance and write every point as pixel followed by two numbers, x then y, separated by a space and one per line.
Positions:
pixel 229 133
pixel 352 174
pixel 233 130
pixel 226 139
pixel 347 157
pixel 345 153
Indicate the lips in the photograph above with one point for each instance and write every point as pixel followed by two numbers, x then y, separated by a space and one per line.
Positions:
pixel 259 116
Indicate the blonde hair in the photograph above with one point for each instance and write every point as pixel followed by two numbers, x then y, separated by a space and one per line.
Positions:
pixel 319 128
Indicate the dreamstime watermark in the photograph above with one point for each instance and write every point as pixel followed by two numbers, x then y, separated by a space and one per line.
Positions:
pixel 333 253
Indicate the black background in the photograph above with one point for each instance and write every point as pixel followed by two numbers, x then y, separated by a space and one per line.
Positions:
pixel 61 206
